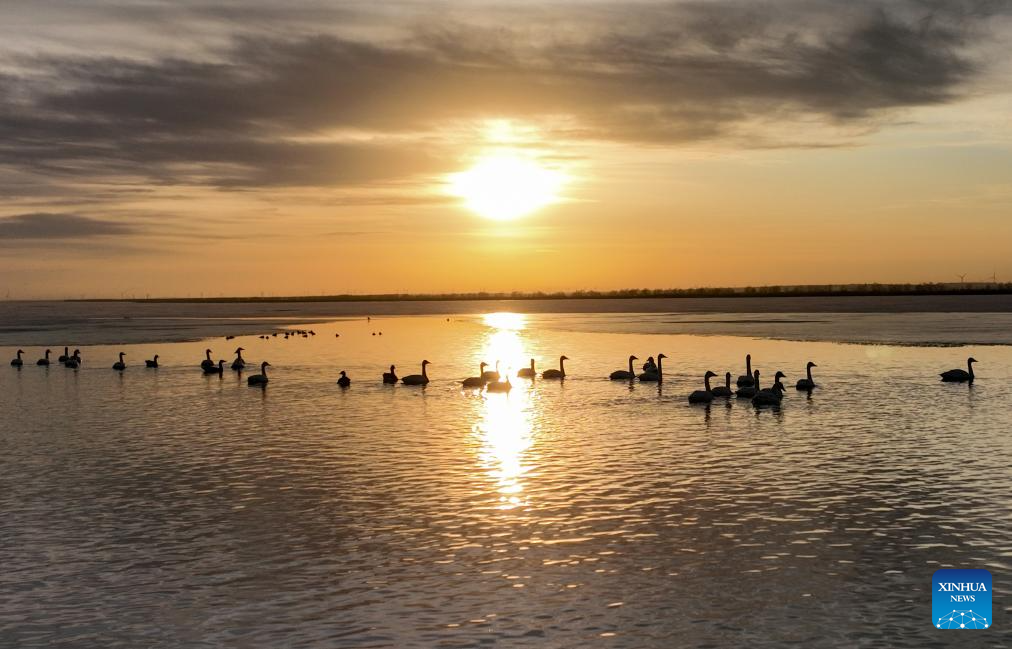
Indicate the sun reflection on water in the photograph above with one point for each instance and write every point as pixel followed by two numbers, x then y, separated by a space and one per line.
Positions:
pixel 505 427
pixel 505 432
pixel 503 342
pixel 504 320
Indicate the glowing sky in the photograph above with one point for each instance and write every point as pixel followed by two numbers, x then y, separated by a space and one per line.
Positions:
pixel 240 148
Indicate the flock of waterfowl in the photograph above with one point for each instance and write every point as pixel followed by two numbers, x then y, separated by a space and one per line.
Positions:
pixel 492 381
pixel 73 361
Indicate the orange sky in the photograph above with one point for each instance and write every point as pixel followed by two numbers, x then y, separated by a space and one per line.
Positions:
pixel 314 149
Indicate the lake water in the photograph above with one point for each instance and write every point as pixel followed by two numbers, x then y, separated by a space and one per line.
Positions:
pixel 164 508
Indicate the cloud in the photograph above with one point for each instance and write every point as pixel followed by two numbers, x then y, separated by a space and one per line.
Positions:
pixel 45 226
pixel 316 108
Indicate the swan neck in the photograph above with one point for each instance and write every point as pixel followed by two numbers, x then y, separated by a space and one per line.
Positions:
pixel 809 373
pixel 706 382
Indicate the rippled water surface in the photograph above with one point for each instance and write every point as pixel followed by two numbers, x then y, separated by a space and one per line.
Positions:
pixel 164 508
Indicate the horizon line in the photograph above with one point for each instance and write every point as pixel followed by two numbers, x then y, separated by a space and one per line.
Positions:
pixel 871 289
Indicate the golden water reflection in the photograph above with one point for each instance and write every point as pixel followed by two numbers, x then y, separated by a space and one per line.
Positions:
pixel 505 427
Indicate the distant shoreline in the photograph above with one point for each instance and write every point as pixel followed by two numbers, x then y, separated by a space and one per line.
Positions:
pixel 848 290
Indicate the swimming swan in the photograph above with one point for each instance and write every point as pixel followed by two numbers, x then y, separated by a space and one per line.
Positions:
pixel 490 375
pixel 559 373
pixel 723 390
pixel 500 386
pixel 624 375
pixel 152 363
pixel 960 376
pixel 119 365
pixel 527 372
pixel 207 363
pixel 258 379
pixel 417 379
pixel 218 369
pixel 344 381
pixel 44 361
pixel 73 361
pixel 476 381
pixel 706 395
pixel 748 391
pixel 746 379
pixel 770 396
pixel 807 383
pixel 17 362
pixel 390 377
pixel 239 362
pixel 657 376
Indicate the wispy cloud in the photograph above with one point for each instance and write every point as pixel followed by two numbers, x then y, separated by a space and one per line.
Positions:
pixel 245 115
pixel 48 226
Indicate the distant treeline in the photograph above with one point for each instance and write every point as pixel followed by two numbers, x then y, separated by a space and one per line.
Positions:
pixel 823 290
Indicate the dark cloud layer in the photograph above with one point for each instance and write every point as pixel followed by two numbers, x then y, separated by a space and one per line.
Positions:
pixel 256 114
pixel 44 226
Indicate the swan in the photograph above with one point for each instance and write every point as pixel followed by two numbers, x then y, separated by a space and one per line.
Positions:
pixel 500 386
pixel 527 372
pixel 770 396
pixel 559 373
pixel 657 376
pixel 344 381
pixel 73 361
pixel 808 383
pixel 417 379
pixel 44 361
pixel 238 363
pixel 152 363
pixel 17 362
pixel 777 385
pixel 65 356
pixel 391 376
pixel 491 376
pixel 624 375
pixel 218 369
pixel 748 391
pixel 258 379
pixel 960 376
pixel 207 363
pixel 723 390
pixel 477 381
pixel 119 365
pixel 746 379
pixel 706 395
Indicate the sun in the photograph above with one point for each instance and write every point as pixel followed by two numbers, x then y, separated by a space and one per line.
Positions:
pixel 503 186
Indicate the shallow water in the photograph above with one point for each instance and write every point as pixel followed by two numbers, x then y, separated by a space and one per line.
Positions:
pixel 163 508
pixel 897 320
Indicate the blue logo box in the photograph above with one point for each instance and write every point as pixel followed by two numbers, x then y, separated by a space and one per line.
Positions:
pixel 961 599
